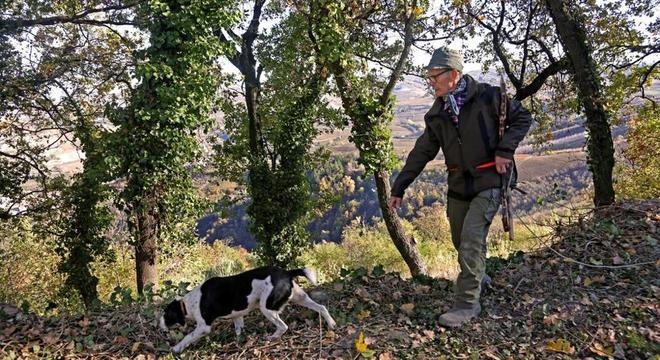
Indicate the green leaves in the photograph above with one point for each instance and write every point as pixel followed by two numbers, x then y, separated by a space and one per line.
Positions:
pixel 170 104
pixel 272 141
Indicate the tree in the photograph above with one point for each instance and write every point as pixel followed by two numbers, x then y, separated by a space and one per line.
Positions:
pixel 521 43
pixel 155 139
pixel 600 146
pixel 86 200
pixel 270 135
pixel 349 34
pixel 54 92
pixel 524 38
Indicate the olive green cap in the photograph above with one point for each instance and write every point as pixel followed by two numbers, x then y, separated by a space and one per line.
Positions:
pixel 444 58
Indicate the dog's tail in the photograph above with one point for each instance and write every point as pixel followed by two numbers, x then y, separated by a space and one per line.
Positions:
pixel 306 272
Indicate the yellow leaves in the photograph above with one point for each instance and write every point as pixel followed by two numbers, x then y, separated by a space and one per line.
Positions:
pixel 408 308
pixel 363 314
pixel 560 346
pixel 418 11
pixel 596 279
pixel 360 345
pixel 329 338
pixel 601 350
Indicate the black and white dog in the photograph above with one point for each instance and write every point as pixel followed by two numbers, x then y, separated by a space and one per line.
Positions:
pixel 232 297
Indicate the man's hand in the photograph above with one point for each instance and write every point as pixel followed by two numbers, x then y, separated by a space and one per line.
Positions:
pixel 394 202
pixel 501 164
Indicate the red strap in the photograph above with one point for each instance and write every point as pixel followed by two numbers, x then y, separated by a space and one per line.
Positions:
pixel 486 165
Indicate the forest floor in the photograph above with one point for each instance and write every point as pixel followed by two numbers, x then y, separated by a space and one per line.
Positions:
pixel 592 292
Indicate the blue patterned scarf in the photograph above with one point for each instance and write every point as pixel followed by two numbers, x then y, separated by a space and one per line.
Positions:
pixel 455 100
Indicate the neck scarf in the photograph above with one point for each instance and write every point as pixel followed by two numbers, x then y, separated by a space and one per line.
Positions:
pixel 450 99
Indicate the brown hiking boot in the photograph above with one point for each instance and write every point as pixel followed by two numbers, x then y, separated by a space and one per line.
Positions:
pixel 459 315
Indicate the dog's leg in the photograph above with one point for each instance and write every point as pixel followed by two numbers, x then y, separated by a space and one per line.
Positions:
pixel 198 333
pixel 274 317
pixel 238 325
pixel 300 297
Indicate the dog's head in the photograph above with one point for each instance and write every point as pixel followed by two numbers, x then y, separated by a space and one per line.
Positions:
pixel 175 313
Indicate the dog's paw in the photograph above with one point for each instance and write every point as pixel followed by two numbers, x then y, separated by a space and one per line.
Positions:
pixel 273 337
pixel 175 349
pixel 332 324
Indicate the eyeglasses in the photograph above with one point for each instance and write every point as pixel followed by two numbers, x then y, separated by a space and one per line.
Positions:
pixel 434 78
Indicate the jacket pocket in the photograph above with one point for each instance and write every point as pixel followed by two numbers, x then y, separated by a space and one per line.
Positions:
pixel 455 181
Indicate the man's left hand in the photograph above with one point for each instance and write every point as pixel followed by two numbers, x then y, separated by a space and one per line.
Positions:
pixel 502 163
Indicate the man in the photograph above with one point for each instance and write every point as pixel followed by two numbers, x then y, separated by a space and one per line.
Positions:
pixel 464 123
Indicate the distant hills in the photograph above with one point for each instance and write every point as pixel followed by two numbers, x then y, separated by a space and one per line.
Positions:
pixel 561 169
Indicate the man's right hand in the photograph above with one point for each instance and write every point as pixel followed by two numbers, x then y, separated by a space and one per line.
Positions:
pixel 394 202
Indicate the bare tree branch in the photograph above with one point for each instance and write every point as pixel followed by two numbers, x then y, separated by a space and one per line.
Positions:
pixel 12 25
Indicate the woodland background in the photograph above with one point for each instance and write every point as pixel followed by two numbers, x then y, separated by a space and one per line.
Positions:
pixel 148 145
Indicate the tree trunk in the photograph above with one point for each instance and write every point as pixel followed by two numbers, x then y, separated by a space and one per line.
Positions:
pixel 84 281
pixel 405 244
pixel 600 148
pixel 252 101
pixel 147 244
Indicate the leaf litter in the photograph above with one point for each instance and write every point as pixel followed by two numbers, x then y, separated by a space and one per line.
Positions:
pixel 594 294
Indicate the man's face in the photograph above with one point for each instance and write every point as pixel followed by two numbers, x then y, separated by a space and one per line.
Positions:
pixel 442 80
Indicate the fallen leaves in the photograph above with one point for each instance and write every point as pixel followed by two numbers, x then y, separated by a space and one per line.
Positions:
pixel 363 314
pixel 119 340
pixel 386 356
pixel 538 303
pixel 560 346
pixel 599 279
pixel 407 308
pixel 360 345
pixel 51 339
pixel 599 349
pixel 8 331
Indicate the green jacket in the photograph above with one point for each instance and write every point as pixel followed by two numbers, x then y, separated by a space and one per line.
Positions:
pixel 475 142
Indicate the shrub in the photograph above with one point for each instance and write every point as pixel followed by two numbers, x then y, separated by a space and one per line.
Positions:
pixel 638 172
pixel 28 269
pixel 327 258
pixel 191 263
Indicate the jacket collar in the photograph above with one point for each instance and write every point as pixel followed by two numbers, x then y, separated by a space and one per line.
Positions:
pixel 472 89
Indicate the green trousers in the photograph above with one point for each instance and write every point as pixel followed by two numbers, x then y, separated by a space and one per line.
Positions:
pixel 469 222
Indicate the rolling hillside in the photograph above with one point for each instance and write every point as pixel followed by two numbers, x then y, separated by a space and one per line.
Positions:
pixel 551 176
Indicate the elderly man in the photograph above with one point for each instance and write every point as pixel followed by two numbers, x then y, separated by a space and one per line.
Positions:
pixel 464 123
